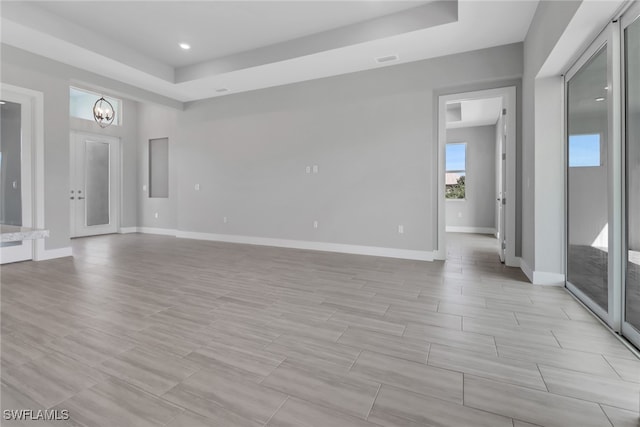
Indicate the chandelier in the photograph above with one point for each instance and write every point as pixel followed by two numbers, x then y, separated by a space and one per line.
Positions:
pixel 103 112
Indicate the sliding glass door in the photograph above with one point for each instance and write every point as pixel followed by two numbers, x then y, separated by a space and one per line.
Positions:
pixel 603 176
pixel 588 184
pixel 631 81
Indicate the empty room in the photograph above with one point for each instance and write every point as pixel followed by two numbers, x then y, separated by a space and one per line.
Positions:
pixel 316 213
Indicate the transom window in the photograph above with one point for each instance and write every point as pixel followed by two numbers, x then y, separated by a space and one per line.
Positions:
pixel 81 104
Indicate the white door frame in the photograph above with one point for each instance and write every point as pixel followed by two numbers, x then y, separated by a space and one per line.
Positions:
pixel 508 95
pixel 37 160
pixel 628 330
pixel 115 184
pixel 502 177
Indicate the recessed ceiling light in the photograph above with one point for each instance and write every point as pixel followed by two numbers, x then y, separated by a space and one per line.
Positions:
pixel 600 99
pixel 388 58
pixel 606 88
pixel 185 46
pixel 2 102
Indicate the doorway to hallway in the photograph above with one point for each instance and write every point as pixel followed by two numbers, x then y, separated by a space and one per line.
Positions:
pixel 476 133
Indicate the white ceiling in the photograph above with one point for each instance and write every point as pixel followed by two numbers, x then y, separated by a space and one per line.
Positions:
pixel 215 29
pixel 249 45
pixel 477 112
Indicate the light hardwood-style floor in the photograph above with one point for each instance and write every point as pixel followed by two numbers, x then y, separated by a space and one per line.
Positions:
pixel 143 330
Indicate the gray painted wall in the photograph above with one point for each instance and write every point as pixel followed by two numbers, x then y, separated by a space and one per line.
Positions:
pixel 20 68
pixel 479 207
pixel 371 134
pixel 155 122
pixel 549 22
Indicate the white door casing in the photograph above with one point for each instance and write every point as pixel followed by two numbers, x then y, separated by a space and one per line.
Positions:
pixel 508 95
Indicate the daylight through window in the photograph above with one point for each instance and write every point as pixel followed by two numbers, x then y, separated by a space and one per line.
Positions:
pixel 456 170
pixel 584 150
pixel 81 104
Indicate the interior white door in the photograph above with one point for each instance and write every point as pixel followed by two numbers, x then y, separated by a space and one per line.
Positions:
pixel 94 191
pixel 15 168
pixel 502 200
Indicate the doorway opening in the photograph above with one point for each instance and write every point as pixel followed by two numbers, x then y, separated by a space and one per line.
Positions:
pixel 476 135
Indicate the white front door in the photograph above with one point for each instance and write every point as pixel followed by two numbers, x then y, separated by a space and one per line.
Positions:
pixel 16 191
pixel 94 190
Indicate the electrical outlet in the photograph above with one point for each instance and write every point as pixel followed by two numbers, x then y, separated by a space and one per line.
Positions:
pixel 308 169
pixel 315 168
pixel 197 187
pixel 224 219
pixel 401 229
pixel 459 214
pixel 156 215
pixel 315 224
pixel 144 187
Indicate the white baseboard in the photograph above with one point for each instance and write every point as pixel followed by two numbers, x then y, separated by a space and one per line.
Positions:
pixel 47 254
pixel 315 246
pixel 161 231
pixel 476 230
pixel 127 230
pixel 541 277
pixel 548 279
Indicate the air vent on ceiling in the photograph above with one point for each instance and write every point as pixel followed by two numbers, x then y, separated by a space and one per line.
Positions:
pixel 222 90
pixel 389 58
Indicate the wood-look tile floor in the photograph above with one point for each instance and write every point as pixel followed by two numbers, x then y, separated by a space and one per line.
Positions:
pixel 142 330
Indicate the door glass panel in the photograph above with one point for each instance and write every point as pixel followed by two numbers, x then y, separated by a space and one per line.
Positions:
pixel 632 90
pixel 10 166
pixel 588 229
pixel 97 183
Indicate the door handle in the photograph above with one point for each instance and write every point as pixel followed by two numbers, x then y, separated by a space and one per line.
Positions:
pixel 80 198
pixel 72 198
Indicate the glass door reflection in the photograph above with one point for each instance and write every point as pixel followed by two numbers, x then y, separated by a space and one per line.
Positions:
pixel 587 181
